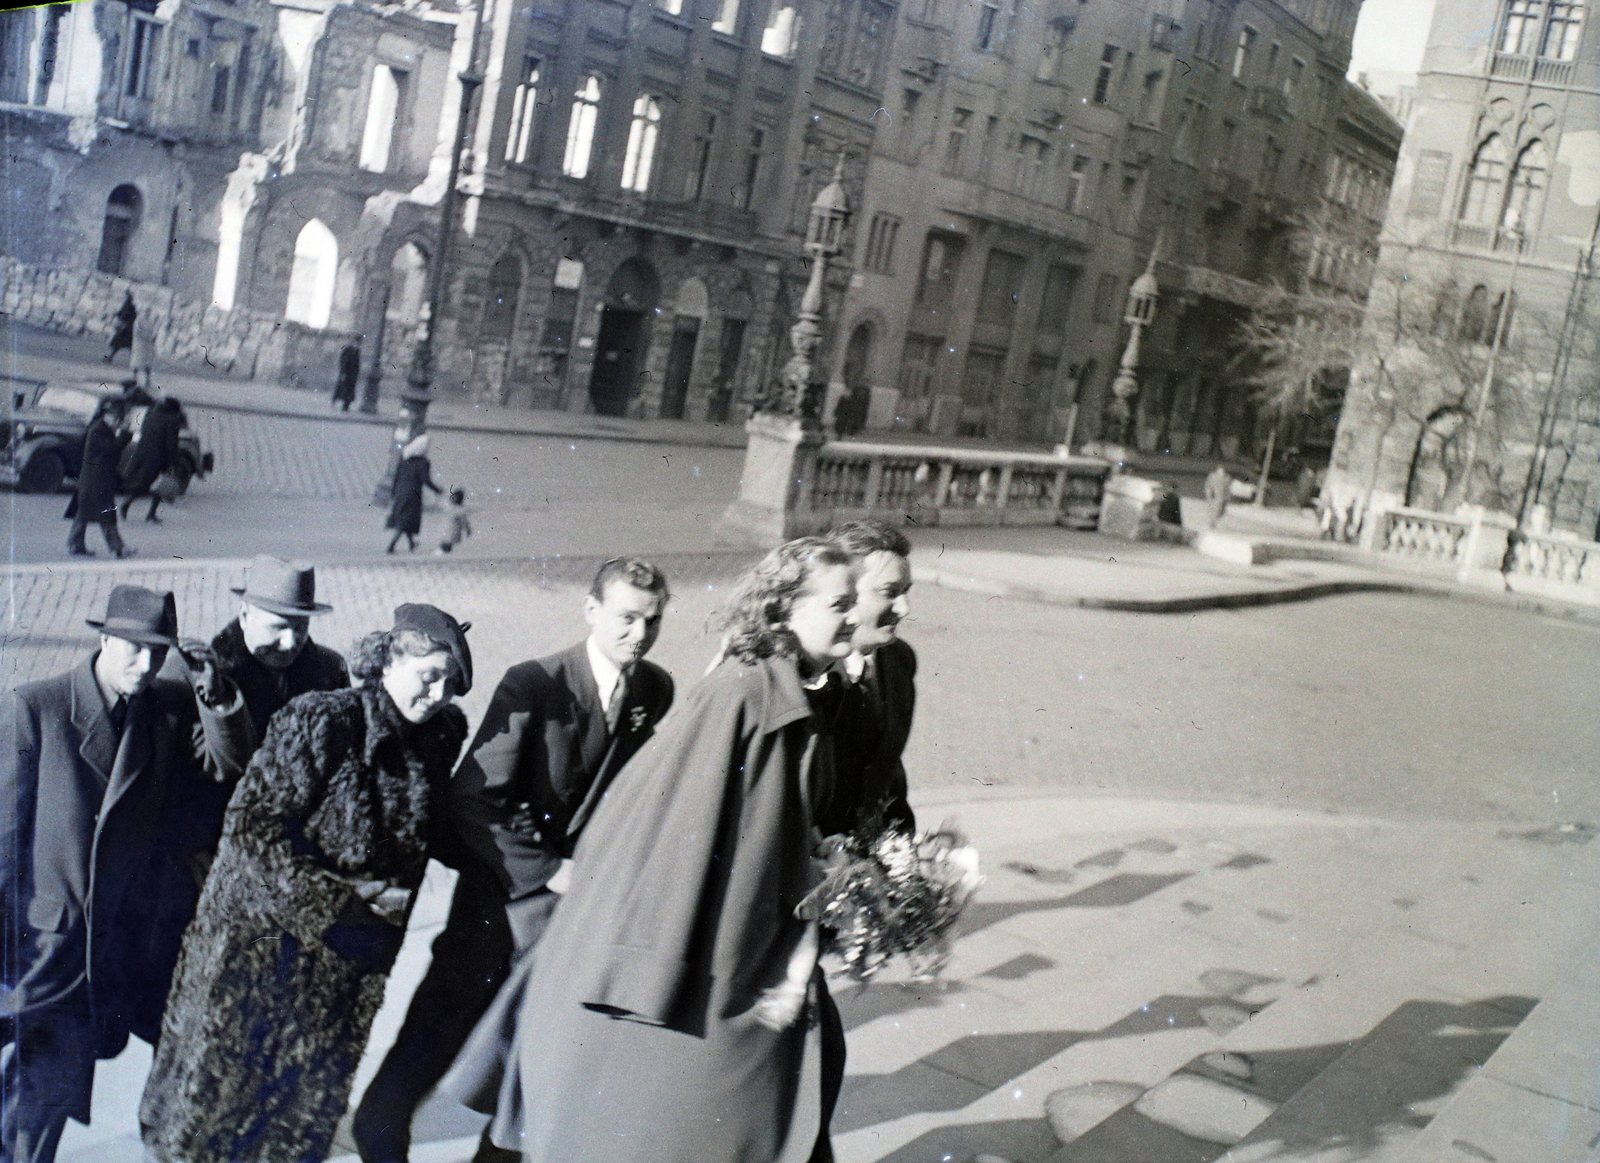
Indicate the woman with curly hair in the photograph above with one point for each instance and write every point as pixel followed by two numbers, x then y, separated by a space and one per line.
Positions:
pixel 325 843
pixel 664 1016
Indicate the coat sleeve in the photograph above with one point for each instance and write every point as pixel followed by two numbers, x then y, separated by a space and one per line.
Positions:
pixel 484 793
pixel 284 783
pixel 19 783
pixel 224 736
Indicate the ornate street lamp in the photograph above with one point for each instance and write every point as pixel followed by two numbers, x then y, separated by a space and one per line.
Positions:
pixel 418 392
pixel 830 214
pixel 1141 313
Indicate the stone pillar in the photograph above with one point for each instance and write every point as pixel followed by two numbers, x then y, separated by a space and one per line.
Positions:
pixel 779 459
pixel 1130 508
pixel 1483 553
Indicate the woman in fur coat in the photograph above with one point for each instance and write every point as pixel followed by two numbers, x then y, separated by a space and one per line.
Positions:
pixel 325 843
pixel 665 1017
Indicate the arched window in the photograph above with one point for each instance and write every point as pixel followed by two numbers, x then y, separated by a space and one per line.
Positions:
pixel 580 129
pixel 123 210
pixel 1486 183
pixel 1527 180
pixel 641 143
pixel 316 266
pixel 1475 315
pixel 500 303
pixel 523 103
pixel 408 285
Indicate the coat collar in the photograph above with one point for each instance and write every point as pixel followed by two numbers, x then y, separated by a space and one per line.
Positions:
pixel 384 721
pixel 92 721
pixel 783 699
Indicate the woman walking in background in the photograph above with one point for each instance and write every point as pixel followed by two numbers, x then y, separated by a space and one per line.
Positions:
pixel 122 334
pixel 666 1015
pixel 154 453
pixel 405 508
pixel 325 843
pixel 344 388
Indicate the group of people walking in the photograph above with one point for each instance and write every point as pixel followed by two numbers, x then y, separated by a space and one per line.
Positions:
pixel 119 458
pixel 622 977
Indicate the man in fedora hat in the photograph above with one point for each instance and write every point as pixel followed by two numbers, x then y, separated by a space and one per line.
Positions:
pixel 267 650
pixel 91 827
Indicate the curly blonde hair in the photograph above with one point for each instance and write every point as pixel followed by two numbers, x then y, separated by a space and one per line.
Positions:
pixel 754 624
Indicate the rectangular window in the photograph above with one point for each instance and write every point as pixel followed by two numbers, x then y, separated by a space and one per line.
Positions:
pixel 1053 53
pixel 1102 80
pixel 956 140
pixel 980 391
pixel 1225 147
pixel 1271 160
pixel 1163 33
pixel 1520 32
pixel 141 57
pixel 220 81
pixel 727 21
pixel 49 52
pixel 1241 51
pixel 1561 33
pixel 1292 79
pixel 919 363
pixel 1033 156
pixel 941 258
pixel 1056 306
pixel 383 107
pixel 881 236
pixel 1150 98
pixel 1200 45
pixel 700 164
pixel 641 152
pixel 1002 283
pixel 1105 299
pixel 752 168
pixel 671 7
pixel 782 34
pixel 1077 183
pixel 524 100
pixel 988 16
pixel 1272 61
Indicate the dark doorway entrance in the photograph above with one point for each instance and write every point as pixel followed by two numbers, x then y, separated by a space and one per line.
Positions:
pixel 619 358
pixel 616 361
pixel 680 363
pixel 123 210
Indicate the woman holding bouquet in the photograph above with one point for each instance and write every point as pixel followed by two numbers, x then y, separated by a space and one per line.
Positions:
pixel 663 1018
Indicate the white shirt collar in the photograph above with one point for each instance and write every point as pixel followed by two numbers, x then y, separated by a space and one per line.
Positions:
pixel 606 673
pixel 854 666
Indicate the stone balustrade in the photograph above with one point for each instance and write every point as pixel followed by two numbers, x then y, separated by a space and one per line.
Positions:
pixel 1554 559
pixel 1419 533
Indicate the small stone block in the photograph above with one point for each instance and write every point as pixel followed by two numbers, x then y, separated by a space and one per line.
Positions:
pixel 1075 1111
pixel 1230 547
pixel 1204 1109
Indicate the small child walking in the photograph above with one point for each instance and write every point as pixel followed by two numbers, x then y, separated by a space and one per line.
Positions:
pixel 460 520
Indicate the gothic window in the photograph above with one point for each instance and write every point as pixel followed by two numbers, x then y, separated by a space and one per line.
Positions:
pixel 641 150
pixel 1527 180
pixel 1561 33
pixel 383 112
pixel 523 101
pixel 1486 183
pixel 1520 32
pixel 580 129
pixel 312 277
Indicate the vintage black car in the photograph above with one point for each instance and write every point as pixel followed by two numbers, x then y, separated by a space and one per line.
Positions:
pixel 41 437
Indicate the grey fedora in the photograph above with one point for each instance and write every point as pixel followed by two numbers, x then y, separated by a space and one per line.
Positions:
pixel 281 587
pixel 139 615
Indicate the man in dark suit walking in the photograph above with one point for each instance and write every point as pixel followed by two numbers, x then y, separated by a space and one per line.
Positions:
pixel 90 849
pixel 556 733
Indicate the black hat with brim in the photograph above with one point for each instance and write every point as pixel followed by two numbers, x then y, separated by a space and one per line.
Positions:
pixel 139 615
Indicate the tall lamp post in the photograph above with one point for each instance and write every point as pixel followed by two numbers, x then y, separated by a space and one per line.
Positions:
pixel 1141 313
pixel 784 431
pixel 418 392
pixel 1502 324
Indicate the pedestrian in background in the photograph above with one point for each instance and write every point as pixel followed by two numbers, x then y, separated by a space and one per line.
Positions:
pixel 405 507
pixel 122 334
pixel 1219 486
pixel 460 520
pixel 142 355
pixel 95 499
pixel 149 470
pixel 344 388
pixel 88 761
pixel 325 844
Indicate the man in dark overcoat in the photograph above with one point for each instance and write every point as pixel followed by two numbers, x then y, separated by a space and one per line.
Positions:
pixel 555 735
pixel 95 498
pixel 155 452
pixel 89 834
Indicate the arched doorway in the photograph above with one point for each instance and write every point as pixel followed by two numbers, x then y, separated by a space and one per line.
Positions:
pixel 693 305
pixel 850 413
pixel 311 279
pixel 631 296
pixel 500 301
pixel 403 308
pixel 124 208
pixel 1438 460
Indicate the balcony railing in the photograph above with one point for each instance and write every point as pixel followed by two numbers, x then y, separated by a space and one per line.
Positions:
pixel 955 486
pixel 1478 236
pixel 1543 71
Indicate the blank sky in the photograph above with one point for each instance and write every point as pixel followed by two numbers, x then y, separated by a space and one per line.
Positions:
pixel 1390 36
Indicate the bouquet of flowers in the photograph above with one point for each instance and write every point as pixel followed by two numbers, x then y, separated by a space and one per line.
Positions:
pixel 888 893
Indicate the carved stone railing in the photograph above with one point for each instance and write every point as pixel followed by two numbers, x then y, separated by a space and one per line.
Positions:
pixel 1554 559
pixel 1419 533
pixel 953 486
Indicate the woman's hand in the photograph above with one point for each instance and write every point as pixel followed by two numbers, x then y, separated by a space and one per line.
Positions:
pixel 386 900
pixel 780 1007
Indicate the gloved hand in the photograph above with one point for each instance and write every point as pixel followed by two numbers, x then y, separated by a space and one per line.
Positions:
pixel 372 947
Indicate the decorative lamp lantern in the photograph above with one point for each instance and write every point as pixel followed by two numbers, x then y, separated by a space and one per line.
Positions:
pixel 1142 298
pixel 1141 313
pixel 830 213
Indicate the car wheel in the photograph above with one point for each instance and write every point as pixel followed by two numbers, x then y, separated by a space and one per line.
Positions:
pixel 184 470
pixel 43 473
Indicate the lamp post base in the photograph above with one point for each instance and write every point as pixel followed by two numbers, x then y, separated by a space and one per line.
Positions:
pixel 779 463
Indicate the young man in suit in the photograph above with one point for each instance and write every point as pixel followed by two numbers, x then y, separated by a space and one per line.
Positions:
pixel 93 880
pixel 556 733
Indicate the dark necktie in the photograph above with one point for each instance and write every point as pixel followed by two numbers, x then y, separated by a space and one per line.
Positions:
pixel 119 715
pixel 619 695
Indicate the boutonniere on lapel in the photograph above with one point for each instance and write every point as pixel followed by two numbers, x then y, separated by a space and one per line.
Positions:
pixel 637 717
